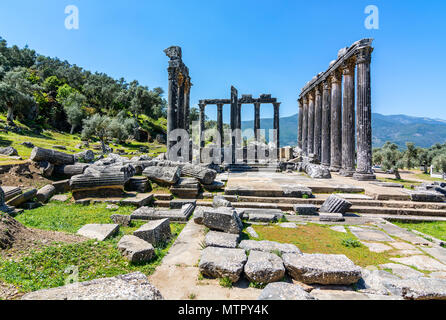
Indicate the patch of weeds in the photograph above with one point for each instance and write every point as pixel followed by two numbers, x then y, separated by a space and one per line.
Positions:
pixel 200 276
pixel 257 285
pixel 351 243
pixel 192 296
pixel 203 245
pixel 225 282
pixel 277 253
pixel 305 196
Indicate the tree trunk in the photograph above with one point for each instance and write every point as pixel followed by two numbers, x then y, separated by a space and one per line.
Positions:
pixel 10 116
pixel 72 128
pixel 104 150
pixel 51 156
pixel 397 174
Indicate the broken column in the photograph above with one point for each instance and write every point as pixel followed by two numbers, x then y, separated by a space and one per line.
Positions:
pixel 220 123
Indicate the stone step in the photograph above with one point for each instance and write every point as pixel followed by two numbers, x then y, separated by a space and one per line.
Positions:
pixel 398 211
pixel 357 203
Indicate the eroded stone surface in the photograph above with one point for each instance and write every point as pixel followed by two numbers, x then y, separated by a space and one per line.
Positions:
pixel 376 247
pixel 223 219
pixel 99 232
pixel 133 286
pixel 421 263
pixel 264 267
pixel 154 232
pixel 284 291
pixel 402 270
pixel 135 249
pixel 368 234
pixel 322 268
pixel 221 239
pixel 222 262
pixel 269 246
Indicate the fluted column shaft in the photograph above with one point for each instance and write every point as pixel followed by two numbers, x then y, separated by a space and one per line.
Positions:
pixel 364 116
pixel 277 127
pixel 326 125
pixel 220 123
pixel 336 121
pixel 318 123
pixel 348 120
pixel 311 123
pixel 300 120
pixel 305 126
pixel 172 105
pixel 187 88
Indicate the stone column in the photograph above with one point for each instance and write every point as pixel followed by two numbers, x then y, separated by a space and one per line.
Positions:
pixel 326 125
pixel 234 105
pixel 277 126
pixel 202 126
pixel 311 123
pixel 300 120
pixel 305 126
pixel 318 123
pixel 256 125
pixel 336 121
pixel 239 116
pixel 187 88
pixel 180 111
pixel 364 116
pixel 220 123
pixel 172 105
pixel 348 120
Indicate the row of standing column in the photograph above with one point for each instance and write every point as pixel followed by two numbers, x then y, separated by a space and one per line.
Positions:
pixel 238 124
pixel 327 119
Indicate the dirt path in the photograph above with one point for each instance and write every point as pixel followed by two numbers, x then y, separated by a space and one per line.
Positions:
pixel 177 276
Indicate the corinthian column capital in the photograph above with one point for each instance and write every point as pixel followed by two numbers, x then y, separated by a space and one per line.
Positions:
pixel 348 67
pixel 364 55
pixel 336 76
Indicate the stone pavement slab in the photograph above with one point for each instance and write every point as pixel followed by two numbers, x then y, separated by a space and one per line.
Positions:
pixel 376 247
pixel 366 234
pixel 421 263
pixel 99 232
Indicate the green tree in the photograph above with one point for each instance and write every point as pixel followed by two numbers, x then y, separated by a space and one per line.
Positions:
pixel 16 92
pixel 392 158
pixel 122 127
pixel 97 126
pixel 410 156
pixel 439 163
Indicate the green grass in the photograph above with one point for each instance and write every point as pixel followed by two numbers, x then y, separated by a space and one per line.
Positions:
pixel 225 282
pixel 406 183
pixel 313 238
pixel 435 229
pixel 45 267
pixel 425 176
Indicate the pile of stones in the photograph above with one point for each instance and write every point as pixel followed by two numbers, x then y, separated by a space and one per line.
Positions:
pixel 332 210
pixel 136 248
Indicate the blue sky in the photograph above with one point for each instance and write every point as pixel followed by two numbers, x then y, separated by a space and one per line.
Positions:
pixel 259 46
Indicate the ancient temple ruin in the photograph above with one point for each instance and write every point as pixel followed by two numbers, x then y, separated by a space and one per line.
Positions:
pixel 178 109
pixel 327 114
pixel 236 119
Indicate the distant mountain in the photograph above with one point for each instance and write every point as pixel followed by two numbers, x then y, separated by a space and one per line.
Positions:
pixel 424 132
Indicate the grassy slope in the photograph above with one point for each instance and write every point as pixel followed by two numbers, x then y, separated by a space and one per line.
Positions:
pixel 436 229
pixel 49 138
pixel 45 268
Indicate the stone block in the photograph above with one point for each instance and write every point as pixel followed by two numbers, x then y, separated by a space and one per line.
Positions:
pixel 135 249
pixel 305 209
pixel 264 267
pixel 221 239
pixel 284 291
pixel 223 219
pixel 222 262
pixel 269 246
pixel 99 232
pixel 155 232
